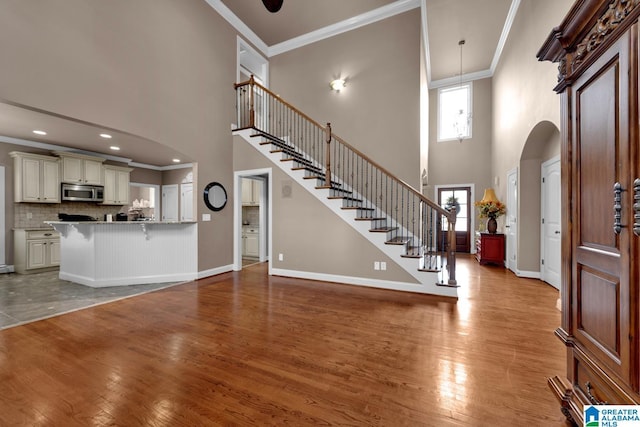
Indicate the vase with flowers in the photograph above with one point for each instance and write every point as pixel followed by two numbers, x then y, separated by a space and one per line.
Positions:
pixel 490 207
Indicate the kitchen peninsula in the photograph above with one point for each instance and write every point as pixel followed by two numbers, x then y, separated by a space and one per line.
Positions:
pixel 100 254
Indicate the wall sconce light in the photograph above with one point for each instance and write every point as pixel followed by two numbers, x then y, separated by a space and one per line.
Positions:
pixel 338 85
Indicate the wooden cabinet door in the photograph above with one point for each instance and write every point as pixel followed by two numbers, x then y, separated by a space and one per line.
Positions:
pixel 122 187
pixel 50 181
pixel 110 187
pixel 92 172
pixel 252 247
pixel 53 246
pixel 31 180
pixel 601 289
pixel 36 254
pixel 72 170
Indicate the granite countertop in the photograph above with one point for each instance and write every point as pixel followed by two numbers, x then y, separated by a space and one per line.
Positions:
pixel 43 228
pixel 120 222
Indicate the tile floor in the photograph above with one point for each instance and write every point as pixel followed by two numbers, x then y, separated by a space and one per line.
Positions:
pixel 25 298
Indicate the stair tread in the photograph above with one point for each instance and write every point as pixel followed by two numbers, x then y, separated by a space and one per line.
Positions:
pixel 308 167
pixel 293 159
pixel 335 185
pixel 290 152
pixel 357 207
pixel 382 229
pixel 428 270
pixel 353 199
pixel 413 252
pixel 364 218
pixel 397 241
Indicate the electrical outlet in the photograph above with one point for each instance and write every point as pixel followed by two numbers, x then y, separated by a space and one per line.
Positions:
pixel 280 257
pixel 376 265
pixel 383 265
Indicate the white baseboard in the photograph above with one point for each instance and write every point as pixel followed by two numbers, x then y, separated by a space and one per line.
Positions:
pixel 431 289
pixel 528 274
pixel 7 269
pixel 126 281
pixel 215 271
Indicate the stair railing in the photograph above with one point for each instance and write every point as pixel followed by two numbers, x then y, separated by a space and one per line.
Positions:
pixel 392 206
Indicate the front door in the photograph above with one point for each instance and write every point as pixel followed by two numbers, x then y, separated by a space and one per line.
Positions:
pixel 460 198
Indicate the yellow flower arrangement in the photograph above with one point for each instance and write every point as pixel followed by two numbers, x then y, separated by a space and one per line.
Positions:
pixel 492 209
pixel 490 206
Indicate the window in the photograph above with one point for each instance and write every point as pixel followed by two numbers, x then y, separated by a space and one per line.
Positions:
pixel 454 112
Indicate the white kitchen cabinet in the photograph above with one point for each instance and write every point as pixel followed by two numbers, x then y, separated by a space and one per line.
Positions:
pixel 116 185
pixel 36 178
pixel 80 169
pixel 251 189
pixel 186 202
pixel 36 250
pixel 251 242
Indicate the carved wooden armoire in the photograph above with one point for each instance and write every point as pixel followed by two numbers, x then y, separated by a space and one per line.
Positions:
pixel 597 49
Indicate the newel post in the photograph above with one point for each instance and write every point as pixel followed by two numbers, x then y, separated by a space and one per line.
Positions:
pixel 328 156
pixel 252 111
pixel 451 255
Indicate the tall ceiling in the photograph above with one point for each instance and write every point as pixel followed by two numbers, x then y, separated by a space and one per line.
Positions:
pixel 483 24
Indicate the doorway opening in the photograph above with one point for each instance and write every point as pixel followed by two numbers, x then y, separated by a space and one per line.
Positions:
pixel 459 196
pixel 252 217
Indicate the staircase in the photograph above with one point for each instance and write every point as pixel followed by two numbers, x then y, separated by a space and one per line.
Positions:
pixel 411 229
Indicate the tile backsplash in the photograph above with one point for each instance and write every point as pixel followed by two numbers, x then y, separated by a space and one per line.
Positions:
pixel 251 215
pixel 28 215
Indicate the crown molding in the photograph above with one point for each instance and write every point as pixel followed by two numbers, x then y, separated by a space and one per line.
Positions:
pixel 358 21
pixel 160 168
pixel 425 40
pixel 452 81
pixel 511 16
pixel 240 26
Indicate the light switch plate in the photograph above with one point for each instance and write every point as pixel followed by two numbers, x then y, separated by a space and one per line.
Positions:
pixel 206 217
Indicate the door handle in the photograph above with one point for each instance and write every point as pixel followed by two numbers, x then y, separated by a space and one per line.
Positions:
pixel 636 207
pixel 617 208
pixel 556 232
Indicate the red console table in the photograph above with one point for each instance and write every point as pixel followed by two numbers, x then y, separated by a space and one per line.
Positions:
pixel 490 248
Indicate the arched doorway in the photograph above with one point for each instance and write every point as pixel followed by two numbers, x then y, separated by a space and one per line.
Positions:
pixel 542 145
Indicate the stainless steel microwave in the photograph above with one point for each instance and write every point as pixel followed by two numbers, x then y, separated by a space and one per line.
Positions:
pixel 82 193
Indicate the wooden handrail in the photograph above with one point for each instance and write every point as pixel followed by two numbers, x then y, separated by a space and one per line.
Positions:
pixel 415 192
pixel 449 214
pixel 249 82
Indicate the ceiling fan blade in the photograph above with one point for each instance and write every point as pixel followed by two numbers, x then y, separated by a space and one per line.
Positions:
pixel 273 5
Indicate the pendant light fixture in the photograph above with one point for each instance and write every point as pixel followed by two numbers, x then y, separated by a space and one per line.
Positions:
pixel 462 118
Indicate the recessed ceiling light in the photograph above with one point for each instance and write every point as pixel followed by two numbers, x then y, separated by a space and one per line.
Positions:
pixel 105 135
pixel 39 132
pixel 115 148
pixel 176 160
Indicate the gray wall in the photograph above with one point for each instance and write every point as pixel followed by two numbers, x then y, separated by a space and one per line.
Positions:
pixel 160 69
pixel 466 162
pixel 379 111
pixel 309 235
pixel 523 98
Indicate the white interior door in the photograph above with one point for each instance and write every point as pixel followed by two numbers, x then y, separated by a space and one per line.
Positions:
pixel 550 246
pixel 511 220
pixel 186 202
pixel 170 202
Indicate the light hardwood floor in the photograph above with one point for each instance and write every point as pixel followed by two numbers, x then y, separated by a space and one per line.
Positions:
pixel 247 349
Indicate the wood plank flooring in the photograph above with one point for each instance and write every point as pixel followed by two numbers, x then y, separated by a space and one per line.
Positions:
pixel 248 349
